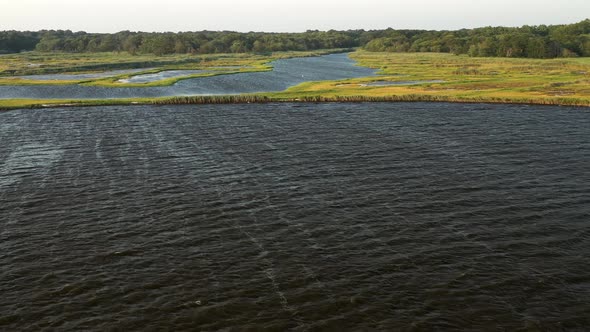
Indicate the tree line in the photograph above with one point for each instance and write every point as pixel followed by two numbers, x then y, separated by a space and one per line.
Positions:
pixel 203 42
pixel 528 41
pixel 541 41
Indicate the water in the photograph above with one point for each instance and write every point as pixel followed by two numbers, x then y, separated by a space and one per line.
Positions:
pixel 66 77
pixel 286 73
pixel 295 216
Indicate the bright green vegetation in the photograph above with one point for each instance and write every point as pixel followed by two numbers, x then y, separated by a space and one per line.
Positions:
pixel 526 42
pixel 33 63
pixel 466 79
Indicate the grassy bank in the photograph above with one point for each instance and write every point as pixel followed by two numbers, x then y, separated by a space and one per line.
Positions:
pixel 261 99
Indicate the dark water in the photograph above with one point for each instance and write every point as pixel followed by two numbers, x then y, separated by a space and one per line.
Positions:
pixel 286 73
pixel 295 217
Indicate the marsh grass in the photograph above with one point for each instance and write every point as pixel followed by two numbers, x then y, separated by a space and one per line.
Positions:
pixel 262 99
pixel 466 80
pixel 494 80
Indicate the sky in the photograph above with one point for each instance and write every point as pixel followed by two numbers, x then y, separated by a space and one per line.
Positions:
pixel 283 15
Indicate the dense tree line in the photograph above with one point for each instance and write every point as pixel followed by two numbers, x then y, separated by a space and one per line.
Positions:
pixel 527 41
pixel 204 42
pixel 16 41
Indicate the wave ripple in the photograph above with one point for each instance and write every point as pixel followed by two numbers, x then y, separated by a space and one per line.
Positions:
pixel 295 217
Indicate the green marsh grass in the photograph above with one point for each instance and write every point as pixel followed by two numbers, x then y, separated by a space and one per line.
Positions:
pixel 465 80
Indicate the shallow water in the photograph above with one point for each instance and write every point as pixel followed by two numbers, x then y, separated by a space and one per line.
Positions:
pixel 295 216
pixel 286 73
pixel 67 77
pixel 166 74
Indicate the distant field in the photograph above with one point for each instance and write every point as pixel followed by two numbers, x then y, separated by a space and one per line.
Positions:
pixel 452 78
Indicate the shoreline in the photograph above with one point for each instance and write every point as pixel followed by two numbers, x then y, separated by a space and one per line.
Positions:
pixel 14 104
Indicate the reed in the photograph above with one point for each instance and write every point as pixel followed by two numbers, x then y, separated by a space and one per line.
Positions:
pixel 263 99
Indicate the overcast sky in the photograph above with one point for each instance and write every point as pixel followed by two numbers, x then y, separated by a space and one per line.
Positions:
pixel 283 15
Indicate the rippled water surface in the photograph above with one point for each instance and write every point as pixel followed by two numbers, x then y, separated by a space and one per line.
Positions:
pixel 285 73
pixel 295 217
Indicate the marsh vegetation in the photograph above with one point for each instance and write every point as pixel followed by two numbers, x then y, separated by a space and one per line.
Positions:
pixel 467 79
pixel 434 77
